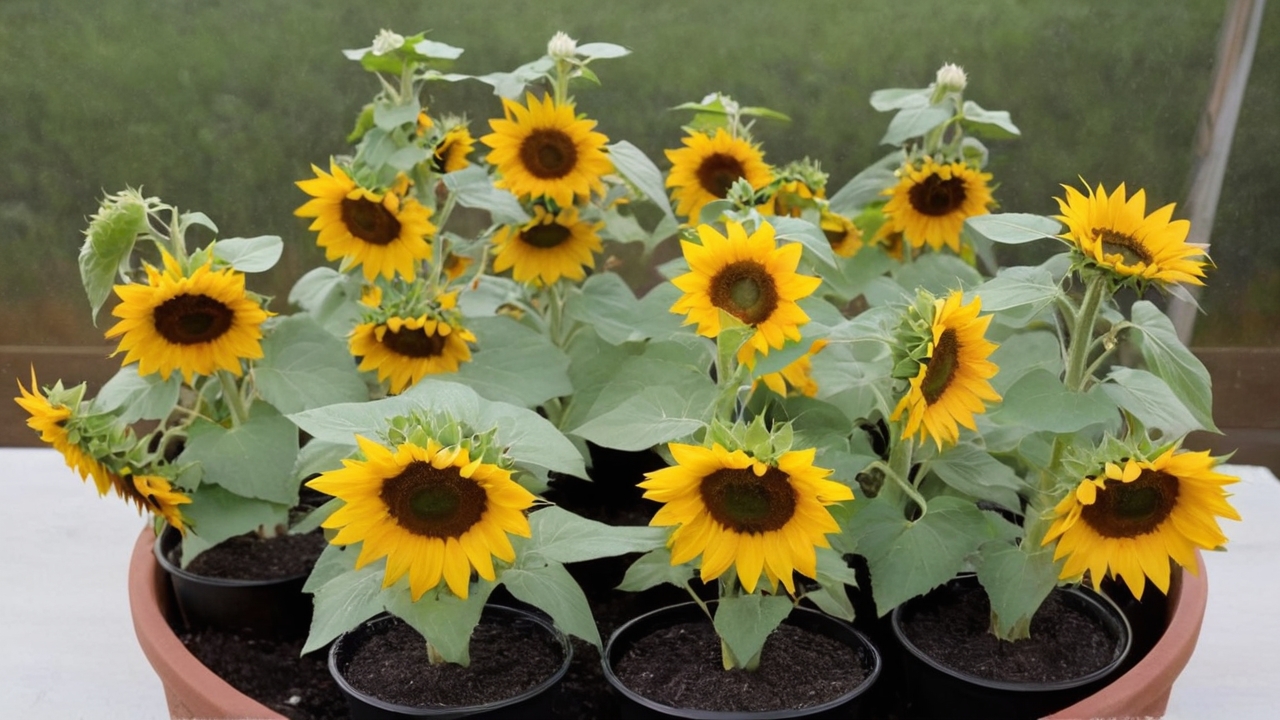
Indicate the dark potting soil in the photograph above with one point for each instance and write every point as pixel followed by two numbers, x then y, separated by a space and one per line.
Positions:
pixel 252 557
pixel 507 658
pixel 680 666
pixel 953 628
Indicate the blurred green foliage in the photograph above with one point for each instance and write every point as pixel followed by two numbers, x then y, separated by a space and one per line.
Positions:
pixel 220 105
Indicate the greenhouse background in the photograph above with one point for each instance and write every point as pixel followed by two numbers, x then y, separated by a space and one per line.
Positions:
pixel 220 106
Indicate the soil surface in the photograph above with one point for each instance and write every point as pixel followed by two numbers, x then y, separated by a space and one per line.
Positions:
pixel 680 666
pixel 272 672
pixel 252 557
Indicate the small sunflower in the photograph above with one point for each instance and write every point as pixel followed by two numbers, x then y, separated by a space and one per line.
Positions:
pixel 51 422
pixel 844 236
pixel 791 199
pixel 1118 235
pixel 451 152
pixel 544 150
pixel 708 166
pixel 152 493
pixel 1136 515
pixel 195 325
pixel 735 510
pixel 432 511
pixel 952 383
pixel 890 240
pixel 798 375
pixel 383 233
pixel 930 203
pixel 749 277
pixel 406 349
pixel 547 247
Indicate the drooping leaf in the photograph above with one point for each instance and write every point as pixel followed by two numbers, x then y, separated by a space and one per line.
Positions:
pixel 346 600
pixel 1016 582
pixel 631 162
pixel 553 590
pixel 744 622
pixel 138 397
pixel 973 471
pixel 652 569
pixel 107 245
pixel 988 123
pixel 216 514
pixel 444 619
pixel 565 537
pixel 1171 361
pixel 1150 399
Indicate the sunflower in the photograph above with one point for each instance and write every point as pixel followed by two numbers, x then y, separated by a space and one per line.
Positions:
pixel 1118 235
pixel 844 236
pixel 890 241
pixel 749 277
pixel 153 493
pixel 930 203
pixel 707 167
pixel 952 383
pixel 543 150
pixel 431 511
pixel 195 325
pixel 384 233
pixel 547 247
pixel 733 509
pixel 51 422
pixel 1136 515
pixel 791 199
pixel 451 152
pixel 798 374
pixel 405 349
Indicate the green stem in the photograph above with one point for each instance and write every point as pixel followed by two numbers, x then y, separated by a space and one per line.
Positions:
pixel 729 376
pixel 705 610
pixel 1082 333
pixel 438 247
pixel 231 393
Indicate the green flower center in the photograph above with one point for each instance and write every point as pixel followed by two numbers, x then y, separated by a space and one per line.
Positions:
pixel 545 236
pixel 744 503
pixel 1129 510
pixel 432 502
pixel 942 367
pixel 548 154
pixel 414 343
pixel 1130 250
pixel 192 319
pixel 718 172
pixel 745 290
pixel 936 197
pixel 370 221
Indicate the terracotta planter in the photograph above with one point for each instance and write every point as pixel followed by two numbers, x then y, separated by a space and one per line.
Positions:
pixel 190 688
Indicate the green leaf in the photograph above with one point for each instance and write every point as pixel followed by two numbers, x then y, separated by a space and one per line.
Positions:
pixel 304 367
pixel 564 537
pixel 745 622
pixel 389 117
pixel 553 590
pixel 514 363
pixel 406 158
pixel 911 122
pixel 253 460
pixel 1039 401
pixel 907 559
pixel 598 50
pixel 971 470
pixel 319 456
pixel 1171 361
pixel 344 602
pixel 439 50
pixel 444 619
pixel 216 514
pixel 654 568
pixel 474 188
pixel 606 304
pixel 1150 400
pixel 138 397
pixel 331 297
pixel 807 234
pixel 867 186
pixel 900 98
pixel 1019 354
pixel 631 162
pixel 1017 287
pixel 988 123
pixel 937 273
pixel 655 415
pixel 107 246
pixel 1013 228
pixel 255 254
pixel 334 560
pixel 1016 582
pixel 511 85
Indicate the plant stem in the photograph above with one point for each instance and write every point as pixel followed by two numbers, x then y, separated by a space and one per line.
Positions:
pixel 1082 333
pixel 231 393
pixel 729 376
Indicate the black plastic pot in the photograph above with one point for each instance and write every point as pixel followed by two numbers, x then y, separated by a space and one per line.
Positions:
pixel 533 703
pixel 266 608
pixel 638 707
pixel 941 691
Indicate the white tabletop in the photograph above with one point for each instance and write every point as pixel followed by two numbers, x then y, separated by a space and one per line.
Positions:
pixel 67 648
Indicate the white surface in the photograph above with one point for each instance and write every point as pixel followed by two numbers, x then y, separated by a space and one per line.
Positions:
pixel 67 648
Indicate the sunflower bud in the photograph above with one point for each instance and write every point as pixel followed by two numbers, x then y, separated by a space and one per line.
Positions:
pixel 951 78
pixel 386 42
pixel 562 47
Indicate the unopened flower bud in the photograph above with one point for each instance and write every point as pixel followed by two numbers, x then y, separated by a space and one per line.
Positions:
pixel 386 42
pixel 562 47
pixel 951 78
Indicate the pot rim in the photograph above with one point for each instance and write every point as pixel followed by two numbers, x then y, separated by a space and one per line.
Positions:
pixel 165 539
pixel 877 664
pixel 455 710
pixel 1097 600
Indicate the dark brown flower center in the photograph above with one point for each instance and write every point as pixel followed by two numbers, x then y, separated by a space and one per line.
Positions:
pixel 742 502
pixel 718 172
pixel 370 221
pixel 415 343
pixel 548 154
pixel 545 236
pixel 835 237
pixel 936 197
pixel 1127 510
pixel 942 367
pixel 433 503
pixel 745 290
pixel 1128 248
pixel 193 319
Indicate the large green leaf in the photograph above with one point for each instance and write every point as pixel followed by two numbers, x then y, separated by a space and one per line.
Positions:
pixel 653 569
pixel 1016 582
pixel 331 297
pixel 1013 228
pixel 553 590
pixel 1029 288
pixel 607 305
pixel 345 601
pixel 107 245
pixel 937 273
pixel 914 121
pixel 304 366
pixel 833 575
pixel 1039 401
pixel 474 188
pixel 138 397
pixel 216 514
pixel 1150 400
pixel 564 537
pixel 815 242
pixel 444 619
pixel 253 460
pixel 1170 360
pixel 255 254
pixel 514 363
pixel 854 376
pixel 1019 354
pixel 744 622
pixel 971 470
pixel 632 164
pixel 867 186
pixel 658 414
pixel 988 123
